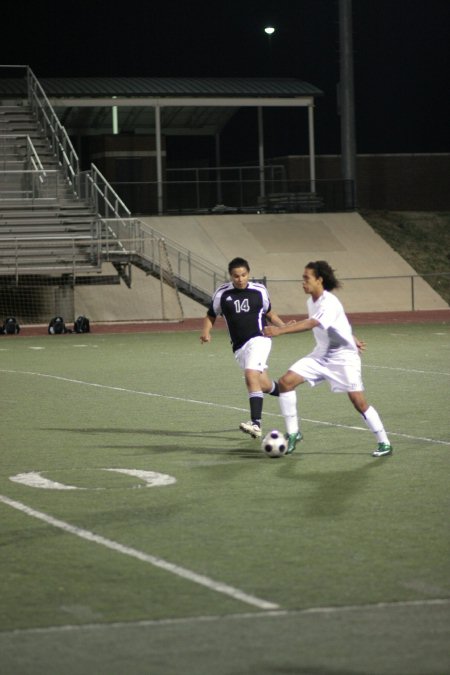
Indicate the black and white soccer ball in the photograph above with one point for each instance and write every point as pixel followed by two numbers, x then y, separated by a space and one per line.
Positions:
pixel 274 444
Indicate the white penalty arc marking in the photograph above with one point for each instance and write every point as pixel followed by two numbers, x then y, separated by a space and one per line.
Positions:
pixel 150 478
pixel 210 404
pixel 165 565
pixel 34 479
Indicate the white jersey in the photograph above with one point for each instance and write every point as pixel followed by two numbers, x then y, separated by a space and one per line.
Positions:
pixel 334 338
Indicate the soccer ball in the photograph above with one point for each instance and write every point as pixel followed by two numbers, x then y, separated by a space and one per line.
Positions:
pixel 274 444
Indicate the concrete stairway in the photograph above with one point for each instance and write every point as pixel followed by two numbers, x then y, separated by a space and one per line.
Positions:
pixel 44 227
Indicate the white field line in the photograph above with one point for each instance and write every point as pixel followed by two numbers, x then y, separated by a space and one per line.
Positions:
pixel 409 370
pixel 390 433
pixel 216 618
pixel 211 404
pixel 200 579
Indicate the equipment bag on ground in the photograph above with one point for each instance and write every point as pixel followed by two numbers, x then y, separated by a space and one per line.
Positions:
pixel 81 325
pixel 10 326
pixel 57 326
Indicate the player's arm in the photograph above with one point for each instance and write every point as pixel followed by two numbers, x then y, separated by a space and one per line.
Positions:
pixel 208 323
pixel 295 327
pixel 274 319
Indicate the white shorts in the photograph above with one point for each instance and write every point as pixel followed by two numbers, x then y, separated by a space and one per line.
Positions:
pixel 254 354
pixel 343 375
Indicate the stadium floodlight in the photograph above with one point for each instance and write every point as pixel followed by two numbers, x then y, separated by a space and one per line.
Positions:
pixel 269 31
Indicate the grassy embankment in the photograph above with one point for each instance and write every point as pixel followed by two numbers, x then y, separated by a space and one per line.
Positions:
pixel 421 238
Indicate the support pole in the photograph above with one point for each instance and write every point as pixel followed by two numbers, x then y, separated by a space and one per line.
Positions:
pixel 262 188
pixel 347 103
pixel 312 149
pixel 115 120
pixel 219 173
pixel 159 183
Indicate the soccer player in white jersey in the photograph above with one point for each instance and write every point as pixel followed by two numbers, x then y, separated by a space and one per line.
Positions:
pixel 335 358
pixel 245 306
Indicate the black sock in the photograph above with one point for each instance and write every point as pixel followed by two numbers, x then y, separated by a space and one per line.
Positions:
pixel 256 399
pixel 275 391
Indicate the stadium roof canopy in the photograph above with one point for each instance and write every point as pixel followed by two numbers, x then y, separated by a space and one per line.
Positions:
pixel 187 106
pixel 164 106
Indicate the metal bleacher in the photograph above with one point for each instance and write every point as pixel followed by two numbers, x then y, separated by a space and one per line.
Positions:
pixel 44 225
pixel 60 222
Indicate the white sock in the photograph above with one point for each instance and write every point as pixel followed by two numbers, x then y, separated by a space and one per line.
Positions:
pixel 373 421
pixel 288 407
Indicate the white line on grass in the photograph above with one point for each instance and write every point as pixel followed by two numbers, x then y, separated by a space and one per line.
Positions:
pixel 200 579
pixel 213 405
pixel 209 403
pixel 409 370
pixel 391 433
pixel 211 618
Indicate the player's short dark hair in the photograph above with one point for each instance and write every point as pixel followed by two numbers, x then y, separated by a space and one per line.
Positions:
pixel 322 269
pixel 238 262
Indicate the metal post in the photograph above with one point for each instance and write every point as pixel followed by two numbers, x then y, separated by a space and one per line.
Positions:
pixel 241 188
pixel 262 189
pixel 197 187
pixel 219 173
pixel 347 103
pixel 189 269
pixel 312 150
pixel 159 184
pixel 115 120
pixel 161 280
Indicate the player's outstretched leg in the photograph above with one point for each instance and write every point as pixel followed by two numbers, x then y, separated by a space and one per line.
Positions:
pixel 374 423
pixel 288 407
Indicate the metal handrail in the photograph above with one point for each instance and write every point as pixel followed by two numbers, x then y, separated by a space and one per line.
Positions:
pixel 194 261
pixel 97 185
pixel 412 278
pixel 32 156
pixel 188 193
pixel 60 141
pixel 29 190
pixel 34 159
pixel 102 194
pixel 142 239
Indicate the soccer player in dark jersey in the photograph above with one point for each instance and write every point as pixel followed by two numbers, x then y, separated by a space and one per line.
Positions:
pixel 245 306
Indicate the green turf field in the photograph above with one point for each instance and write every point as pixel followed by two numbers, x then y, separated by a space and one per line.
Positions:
pixel 325 562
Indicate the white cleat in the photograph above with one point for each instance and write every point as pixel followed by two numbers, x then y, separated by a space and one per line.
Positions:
pixel 249 428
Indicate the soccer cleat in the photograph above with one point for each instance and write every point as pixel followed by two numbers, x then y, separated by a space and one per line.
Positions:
pixel 249 428
pixel 292 440
pixel 382 450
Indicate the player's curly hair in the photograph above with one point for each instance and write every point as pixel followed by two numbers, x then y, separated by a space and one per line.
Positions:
pixel 322 269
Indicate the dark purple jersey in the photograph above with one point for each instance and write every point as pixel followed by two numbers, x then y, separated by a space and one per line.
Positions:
pixel 244 310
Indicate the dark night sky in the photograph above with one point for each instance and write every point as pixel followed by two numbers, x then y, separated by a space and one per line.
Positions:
pixel 401 56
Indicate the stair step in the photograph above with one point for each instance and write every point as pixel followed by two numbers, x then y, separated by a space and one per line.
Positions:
pixel 21 209
pixel 44 225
